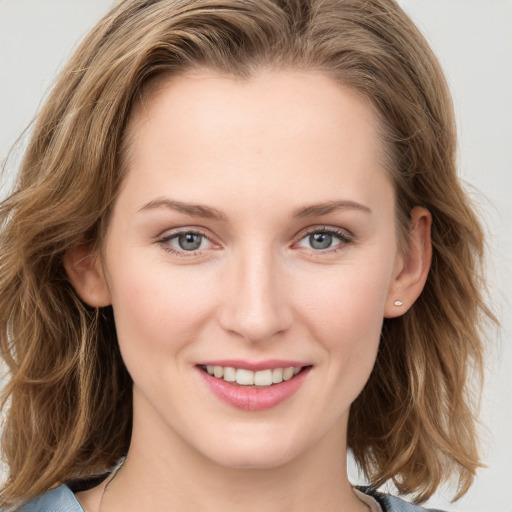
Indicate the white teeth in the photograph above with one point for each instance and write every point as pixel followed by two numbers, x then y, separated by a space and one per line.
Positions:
pixel 277 375
pixel 287 373
pixel 244 377
pixel 262 378
pixel 229 374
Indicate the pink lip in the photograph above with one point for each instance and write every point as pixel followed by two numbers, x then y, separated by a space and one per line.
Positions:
pixel 269 364
pixel 252 398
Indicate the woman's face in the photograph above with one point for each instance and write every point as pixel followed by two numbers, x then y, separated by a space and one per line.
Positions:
pixel 254 232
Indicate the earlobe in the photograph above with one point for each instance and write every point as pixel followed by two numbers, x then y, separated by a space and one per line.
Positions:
pixel 85 271
pixel 413 267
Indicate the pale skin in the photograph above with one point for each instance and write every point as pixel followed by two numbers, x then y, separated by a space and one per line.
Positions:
pixel 279 164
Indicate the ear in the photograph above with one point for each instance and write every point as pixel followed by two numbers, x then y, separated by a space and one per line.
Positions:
pixel 85 271
pixel 412 266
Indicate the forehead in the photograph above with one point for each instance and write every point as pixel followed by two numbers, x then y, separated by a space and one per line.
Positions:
pixel 276 129
pixel 309 98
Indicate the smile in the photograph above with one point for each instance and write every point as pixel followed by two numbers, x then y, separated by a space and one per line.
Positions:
pixel 264 386
pixel 244 377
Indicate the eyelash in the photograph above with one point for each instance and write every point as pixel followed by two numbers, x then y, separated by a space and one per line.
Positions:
pixel 165 242
pixel 342 236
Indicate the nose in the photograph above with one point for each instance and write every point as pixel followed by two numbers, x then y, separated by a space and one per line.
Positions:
pixel 255 304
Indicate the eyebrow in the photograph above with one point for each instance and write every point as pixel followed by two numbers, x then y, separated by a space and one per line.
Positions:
pixel 200 210
pixel 315 210
pixel 194 210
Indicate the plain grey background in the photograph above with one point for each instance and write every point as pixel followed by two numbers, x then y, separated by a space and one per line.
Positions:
pixel 472 38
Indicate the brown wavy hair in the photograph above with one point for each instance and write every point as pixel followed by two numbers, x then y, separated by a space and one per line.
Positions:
pixel 67 402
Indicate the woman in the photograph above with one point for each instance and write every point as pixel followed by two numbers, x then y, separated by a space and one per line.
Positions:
pixel 237 223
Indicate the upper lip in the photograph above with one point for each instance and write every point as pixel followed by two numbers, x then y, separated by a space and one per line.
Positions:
pixel 268 364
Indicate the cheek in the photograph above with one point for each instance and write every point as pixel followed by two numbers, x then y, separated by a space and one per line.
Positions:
pixel 345 313
pixel 156 310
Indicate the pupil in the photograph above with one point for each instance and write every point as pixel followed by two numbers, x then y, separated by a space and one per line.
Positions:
pixel 189 241
pixel 320 240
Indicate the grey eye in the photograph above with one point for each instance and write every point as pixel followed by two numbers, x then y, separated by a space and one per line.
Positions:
pixel 189 241
pixel 320 240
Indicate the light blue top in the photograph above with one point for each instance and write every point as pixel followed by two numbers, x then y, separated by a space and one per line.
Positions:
pixel 62 499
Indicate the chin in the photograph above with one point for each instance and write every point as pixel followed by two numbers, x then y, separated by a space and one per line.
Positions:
pixel 257 452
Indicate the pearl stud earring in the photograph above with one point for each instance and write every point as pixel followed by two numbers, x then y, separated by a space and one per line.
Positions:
pixel 398 303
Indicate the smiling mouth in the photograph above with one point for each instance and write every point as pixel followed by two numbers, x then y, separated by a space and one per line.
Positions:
pixel 248 378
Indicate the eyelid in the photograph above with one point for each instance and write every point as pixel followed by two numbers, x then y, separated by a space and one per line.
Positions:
pixel 171 232
pixel 322 228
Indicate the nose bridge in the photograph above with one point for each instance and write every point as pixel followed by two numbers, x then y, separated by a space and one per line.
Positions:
pixel 256 305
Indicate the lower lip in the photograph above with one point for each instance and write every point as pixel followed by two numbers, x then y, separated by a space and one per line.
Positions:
pixel 251 398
